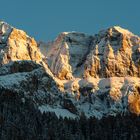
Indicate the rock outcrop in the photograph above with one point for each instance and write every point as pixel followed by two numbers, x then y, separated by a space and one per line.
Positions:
pixel 17 45
pixel 103 67
pixel 115 53
pixel 112 52
pixel 67 53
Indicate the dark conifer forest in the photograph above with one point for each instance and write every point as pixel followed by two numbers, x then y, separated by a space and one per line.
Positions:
pixel 48 126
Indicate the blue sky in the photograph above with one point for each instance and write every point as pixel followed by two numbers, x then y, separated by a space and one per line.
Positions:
pixel 45 19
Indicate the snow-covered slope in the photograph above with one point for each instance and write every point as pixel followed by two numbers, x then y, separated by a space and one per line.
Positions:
pixel 98 75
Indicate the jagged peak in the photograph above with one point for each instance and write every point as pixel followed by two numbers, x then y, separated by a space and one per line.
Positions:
pixel 6 29
pixel 3 22
pixel 73 35
pixel 122 30
pixel 114 30
pixel 4 26
pixel 80 65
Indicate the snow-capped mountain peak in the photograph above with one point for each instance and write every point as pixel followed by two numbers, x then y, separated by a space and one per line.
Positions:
pixel 98 75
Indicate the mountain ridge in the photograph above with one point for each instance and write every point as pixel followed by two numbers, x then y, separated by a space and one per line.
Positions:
pixel 78 86
pixel 97 75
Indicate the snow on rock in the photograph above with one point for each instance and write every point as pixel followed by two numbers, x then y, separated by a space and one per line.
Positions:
pixel 115 53
pixel 112 52
pixel 17 45
pixel 5 30
pixel 18 66
pixel 77 73
pixel 66 53
pixel 107 96
pixel 33 84
pixel 60 112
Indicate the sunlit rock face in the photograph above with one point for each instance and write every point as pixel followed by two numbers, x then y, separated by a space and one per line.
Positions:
pixel 116 53
pixel 107 65
pixel 98 75
pixel 112 52
pixel 17 45
pixel 66 55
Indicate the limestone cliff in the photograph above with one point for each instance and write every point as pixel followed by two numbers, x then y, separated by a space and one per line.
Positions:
pixel 106 62
pixel 112 52
pixel 17 45
pixel 98 75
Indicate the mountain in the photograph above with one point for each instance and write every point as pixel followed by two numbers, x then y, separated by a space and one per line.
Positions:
pixel 106 64
pixel 78 54
pixel 76 76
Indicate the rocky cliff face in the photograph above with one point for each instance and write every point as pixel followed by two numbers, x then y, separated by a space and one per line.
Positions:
pixel 17 45
pixel 95 75
pixel 98 75
pixel 67 53
pixel 105 64
pixel 111 53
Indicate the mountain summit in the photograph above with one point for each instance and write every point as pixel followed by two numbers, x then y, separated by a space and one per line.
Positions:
pixel 108 54
pixel 95 75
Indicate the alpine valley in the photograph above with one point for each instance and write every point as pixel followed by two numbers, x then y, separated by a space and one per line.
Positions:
pixel 77 87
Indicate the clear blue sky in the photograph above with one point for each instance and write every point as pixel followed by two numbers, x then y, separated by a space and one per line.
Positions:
pixel 45 19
